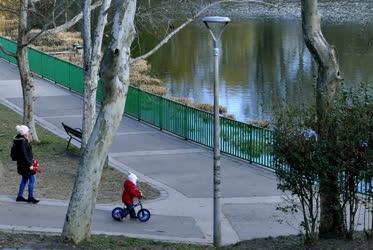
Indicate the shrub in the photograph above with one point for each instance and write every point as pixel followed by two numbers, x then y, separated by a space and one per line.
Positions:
pixel 353 147
pixel 304 159
pixel 299 159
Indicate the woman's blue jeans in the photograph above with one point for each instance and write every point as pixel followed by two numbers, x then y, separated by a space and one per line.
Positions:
pixel 31 182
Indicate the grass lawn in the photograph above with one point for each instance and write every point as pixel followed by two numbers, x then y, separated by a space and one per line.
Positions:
pixel 42 241
pixel 34 241
pixel 59 166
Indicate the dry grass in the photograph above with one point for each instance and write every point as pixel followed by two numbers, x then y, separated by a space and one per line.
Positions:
pixel 155 89
pixel 141 67
pixel 140 75
pixel 73 58
pixel 259 123
pixel 8 27
pixel 61 42
pixel 203 106
pixel 209 107
pixel 138 79
pixel 229 116
pixel 57 42
pixel 182 100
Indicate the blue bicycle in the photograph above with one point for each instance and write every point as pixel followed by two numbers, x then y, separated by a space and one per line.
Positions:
pixel 119 213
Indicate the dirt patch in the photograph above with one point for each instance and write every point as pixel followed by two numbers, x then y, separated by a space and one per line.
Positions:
pixel 59 167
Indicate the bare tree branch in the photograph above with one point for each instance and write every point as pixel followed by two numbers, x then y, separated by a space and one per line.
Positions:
pixel 45 31
pixel 7 52
pixel 199 13
pixel 35 12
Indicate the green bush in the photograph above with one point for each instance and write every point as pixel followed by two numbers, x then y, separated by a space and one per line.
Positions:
pixel 304 159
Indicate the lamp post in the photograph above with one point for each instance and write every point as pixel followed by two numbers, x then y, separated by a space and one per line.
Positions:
pixel 216 25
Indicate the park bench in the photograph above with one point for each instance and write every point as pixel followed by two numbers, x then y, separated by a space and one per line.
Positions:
pixel 75 134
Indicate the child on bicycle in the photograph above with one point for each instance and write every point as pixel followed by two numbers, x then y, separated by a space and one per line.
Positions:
pixel 130 191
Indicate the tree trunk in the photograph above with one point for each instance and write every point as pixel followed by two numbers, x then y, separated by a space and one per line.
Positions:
pixel 92 56
pixel 115 76
pixel 88 115
pixel 328 79
pixel 89 108
pixel 24 72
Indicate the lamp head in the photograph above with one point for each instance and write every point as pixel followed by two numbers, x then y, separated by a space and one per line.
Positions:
pixel 216 25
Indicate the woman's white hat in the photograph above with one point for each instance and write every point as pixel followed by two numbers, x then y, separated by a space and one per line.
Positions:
pixel 22 129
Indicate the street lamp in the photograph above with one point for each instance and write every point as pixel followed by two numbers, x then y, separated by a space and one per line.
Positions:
pixel 216 26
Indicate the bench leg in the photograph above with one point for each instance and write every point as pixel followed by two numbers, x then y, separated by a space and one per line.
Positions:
pixel 106 164
pixel 68 144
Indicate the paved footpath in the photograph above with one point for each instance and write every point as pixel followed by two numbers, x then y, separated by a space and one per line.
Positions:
pixel 180 169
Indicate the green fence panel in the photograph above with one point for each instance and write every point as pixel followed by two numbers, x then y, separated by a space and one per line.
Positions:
pixel 62 72
pixel 132 102
pixel 99 96
pixel 76 79
pixel 149 105
pixel 35 59
pixel 48 67
pixel 200 127
pixel 8 45
pixel 175 118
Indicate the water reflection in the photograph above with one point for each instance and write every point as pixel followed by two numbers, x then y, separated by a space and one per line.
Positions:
pixel 263 62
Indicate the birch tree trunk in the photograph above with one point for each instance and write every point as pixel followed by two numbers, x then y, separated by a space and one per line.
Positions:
pixel 88 104
pixel 114 70
pixel 92 56
pixel 328 79
pixel 28 88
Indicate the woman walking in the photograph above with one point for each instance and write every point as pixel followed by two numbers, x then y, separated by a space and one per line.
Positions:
pixel 23 151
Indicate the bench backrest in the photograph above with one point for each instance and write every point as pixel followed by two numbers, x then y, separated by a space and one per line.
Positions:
pixel 72 131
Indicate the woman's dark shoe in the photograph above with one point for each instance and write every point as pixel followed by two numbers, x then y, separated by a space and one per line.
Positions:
pixel 20 198
pixel 32 200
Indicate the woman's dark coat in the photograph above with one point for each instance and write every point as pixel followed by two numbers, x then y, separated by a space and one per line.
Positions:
pixel 24 156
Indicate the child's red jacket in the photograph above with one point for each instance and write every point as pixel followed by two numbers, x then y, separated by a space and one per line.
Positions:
pixel 130 191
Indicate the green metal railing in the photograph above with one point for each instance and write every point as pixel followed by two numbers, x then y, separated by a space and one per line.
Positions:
pixel 238 139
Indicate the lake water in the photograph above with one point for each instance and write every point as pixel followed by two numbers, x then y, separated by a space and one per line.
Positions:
pixel 263 63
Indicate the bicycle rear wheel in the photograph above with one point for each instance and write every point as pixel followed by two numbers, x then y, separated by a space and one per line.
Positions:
pixel 117 214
